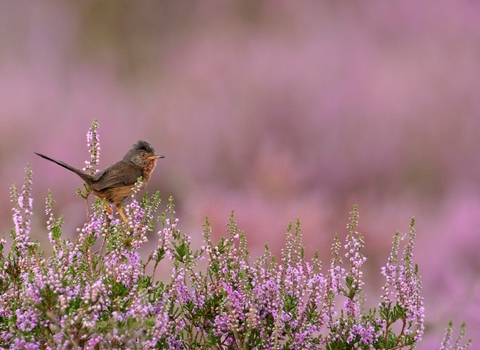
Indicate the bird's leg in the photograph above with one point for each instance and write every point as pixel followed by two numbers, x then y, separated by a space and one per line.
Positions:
pixel 109 210
pixel 119 209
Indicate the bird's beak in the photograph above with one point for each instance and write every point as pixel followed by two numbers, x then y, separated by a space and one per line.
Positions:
pixel 156 156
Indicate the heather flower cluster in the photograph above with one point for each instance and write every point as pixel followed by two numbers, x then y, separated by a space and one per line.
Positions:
pixel 402 291
pixel 93 142
pixel 98 293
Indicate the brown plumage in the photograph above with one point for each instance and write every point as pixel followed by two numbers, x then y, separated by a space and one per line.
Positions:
pixel 116 182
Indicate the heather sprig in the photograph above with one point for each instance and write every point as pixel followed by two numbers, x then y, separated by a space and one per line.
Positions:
pixel 447 340
pixel 22 210
pixel 401 300
pixel 93 142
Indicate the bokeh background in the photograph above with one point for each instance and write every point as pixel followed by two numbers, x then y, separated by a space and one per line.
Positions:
pixel 274 109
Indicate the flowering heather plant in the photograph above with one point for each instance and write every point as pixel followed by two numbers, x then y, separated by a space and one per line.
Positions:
pixel 96 293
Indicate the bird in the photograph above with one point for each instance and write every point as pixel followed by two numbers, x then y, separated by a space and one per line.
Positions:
pixel 115 183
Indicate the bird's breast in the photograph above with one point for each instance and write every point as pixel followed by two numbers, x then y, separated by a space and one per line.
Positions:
pixel 147 171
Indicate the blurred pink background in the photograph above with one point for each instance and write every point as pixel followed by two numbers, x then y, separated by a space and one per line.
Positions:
pixel 274 109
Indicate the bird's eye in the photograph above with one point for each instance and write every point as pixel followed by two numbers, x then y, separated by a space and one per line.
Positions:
pixel 143 154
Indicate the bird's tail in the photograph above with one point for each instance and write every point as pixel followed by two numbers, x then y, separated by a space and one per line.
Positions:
pixel 85 177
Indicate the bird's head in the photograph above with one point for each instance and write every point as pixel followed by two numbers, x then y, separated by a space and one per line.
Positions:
pixel 142 154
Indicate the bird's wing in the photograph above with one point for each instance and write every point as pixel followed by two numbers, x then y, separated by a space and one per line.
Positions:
pixel 118 175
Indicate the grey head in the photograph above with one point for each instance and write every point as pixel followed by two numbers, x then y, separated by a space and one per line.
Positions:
pixel 141 154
